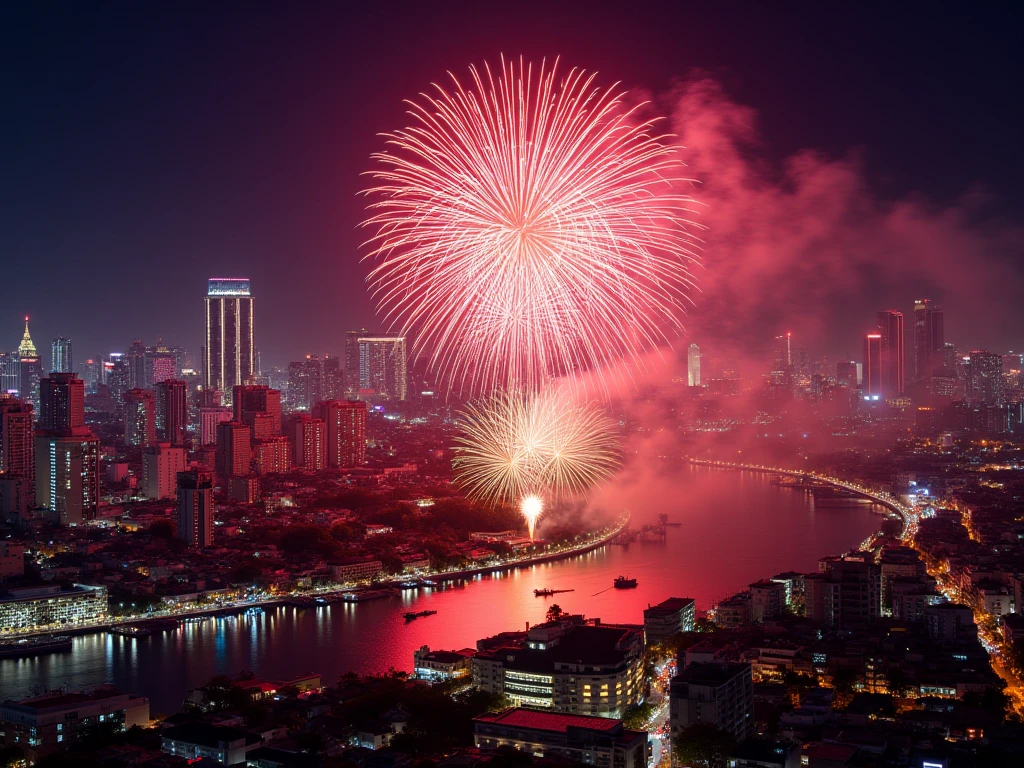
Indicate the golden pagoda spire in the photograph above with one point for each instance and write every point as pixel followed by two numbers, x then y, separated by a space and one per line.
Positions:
pixel 27 348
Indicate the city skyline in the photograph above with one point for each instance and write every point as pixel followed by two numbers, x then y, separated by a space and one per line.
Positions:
pixel 899 226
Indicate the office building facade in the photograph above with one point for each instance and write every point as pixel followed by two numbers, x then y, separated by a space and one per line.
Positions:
pixel 61 359
pixel 195 508
pixel 345 422
pixel 229 354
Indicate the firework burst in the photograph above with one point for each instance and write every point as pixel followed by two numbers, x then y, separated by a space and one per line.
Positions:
pixel 529 225
pixel 523 447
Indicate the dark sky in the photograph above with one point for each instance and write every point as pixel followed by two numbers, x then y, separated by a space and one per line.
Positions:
pixel 148 146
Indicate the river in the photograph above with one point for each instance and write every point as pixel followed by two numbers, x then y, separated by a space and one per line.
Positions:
pixel 737 527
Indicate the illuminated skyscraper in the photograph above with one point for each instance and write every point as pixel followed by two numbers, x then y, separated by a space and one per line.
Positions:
pixel 17 457
pixel 159 364
pixel 784 352
pixel 346 432
pixel 60 356
pixel 929 338
pixel 872 376
pixel 10 373
pixel 91 374
pixel 310 443
pixel 67 474
pixel 890 326
pixel 30 369
pixel 383 371
pixel 229 357
pixel 352 361
pixel 252 402
pixel 161 464
pixel 139 417
pixel 172 412
pixel 195 508
pixel 985 378
pixel 693 366
pixel 306 383
pixel 62 402
pixel 234 449
pixel 135 358
pixel 210 416
pixel 847 373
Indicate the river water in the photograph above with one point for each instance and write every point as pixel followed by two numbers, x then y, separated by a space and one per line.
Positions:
pixel 737 527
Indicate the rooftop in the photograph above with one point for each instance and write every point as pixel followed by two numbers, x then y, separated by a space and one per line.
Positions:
pixel 700 673
pixel 673 605
pixel 553 722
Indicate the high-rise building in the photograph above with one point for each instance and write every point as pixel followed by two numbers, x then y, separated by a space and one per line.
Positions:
pixel 252 401
pixel 91 374
pixel 352 361
pixel 985 378
pixel 10 373
pixel 210 416
pixel 929 338
pixel 234 449
pixel 61 402
pixel 718 694
pixel 60 356
pixel 383 368
pixel 693 366
pixel 118 373
pixel 30 369
pixel 310 443
pixel 273 454
pixel 17 457
pixel 229 357
pixel 161 464
pixel 172 412
pixel 847 373
pixel 67 474
pixel 872 385
pixel 334 380
pixel 783 352
pixel 305 383
pixel 893 357
pixel 195 508
pixel 159 364
pixel 135 358
pixel 345 421
pixel 139 417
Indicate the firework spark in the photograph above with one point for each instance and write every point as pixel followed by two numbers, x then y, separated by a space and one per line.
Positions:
pixel 529 225
pixel 531 509
pixel 515 446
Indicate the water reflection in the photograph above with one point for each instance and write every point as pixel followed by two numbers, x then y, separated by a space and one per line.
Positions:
pixel 737 527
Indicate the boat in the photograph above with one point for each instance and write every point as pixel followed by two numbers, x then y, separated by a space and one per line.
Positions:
pixel 35 646
pixel 550 592
pixel 410 616
pixel 621 582
pixel 254 611
pixel 144 628
pixel 409 585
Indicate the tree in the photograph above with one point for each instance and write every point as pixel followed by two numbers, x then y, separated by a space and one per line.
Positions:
pixel 704 624
pixel 702 745
pixel 635 716
pixel 161 529
pixel 843 680
pixel 555 612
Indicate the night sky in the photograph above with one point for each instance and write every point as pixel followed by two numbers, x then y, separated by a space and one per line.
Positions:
pixel 871 155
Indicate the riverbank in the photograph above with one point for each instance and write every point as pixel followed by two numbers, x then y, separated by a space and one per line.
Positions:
pixel 887 500
pixel 591 542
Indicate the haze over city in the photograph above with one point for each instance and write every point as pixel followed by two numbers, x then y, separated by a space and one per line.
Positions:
pixel 461 386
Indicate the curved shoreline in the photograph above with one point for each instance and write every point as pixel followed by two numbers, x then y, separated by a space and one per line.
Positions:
pixel 886 500
pixel 602 538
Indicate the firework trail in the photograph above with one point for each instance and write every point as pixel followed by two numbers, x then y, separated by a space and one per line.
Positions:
pixel 520 447
pixel 529 225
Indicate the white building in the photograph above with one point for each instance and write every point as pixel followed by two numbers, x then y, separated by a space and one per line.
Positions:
pixel 51 608
pixel 160 467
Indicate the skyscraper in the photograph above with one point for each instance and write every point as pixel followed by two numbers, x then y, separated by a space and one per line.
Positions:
pixel 352 361
pixel 234 449
pixel 229 357
pixel 383 368
pixel 251 401
pixel 91 374
pixel 783 352
pixel 929 338
pixel 172 412
pixel 62 402
pixel 209 418
pixel 135 358
pixel 161 464
pixel 67 474
pixel 195 508
pixel 30 369
pixel 306 383
pixel 17 457
pixel 139 417
pixel 159 364
pixel 10 373
pixel 346 432
pixel 893 357
pixel 872 376
pixel 60 356
pixel 693 366
pixel 310 443
pixel 118 373
pixel 985 378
